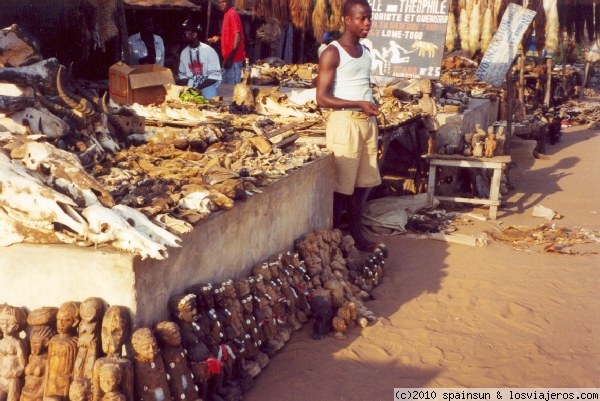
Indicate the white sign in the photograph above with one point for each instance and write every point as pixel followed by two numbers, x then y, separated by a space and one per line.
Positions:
pixel 502 50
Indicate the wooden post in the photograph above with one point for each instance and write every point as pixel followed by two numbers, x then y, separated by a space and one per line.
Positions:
pixel 522 75
pixel 208 10
pixel 585 76
pixel 548 82
pixel 509 111
pixel 123 35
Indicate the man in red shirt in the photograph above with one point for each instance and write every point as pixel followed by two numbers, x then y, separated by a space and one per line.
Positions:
pixel 232 43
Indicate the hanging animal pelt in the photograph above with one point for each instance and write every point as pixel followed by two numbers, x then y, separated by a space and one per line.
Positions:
pixel 487 29
pixel 474 29
pixel 300 12
pixel 336 21
pixel 551 25
pixel 451 32
pixel 502 4
pixel 279 10
pixel 320 20
pixel 482 7
pixel 463 30
pixel 262 8
pixel 454 8
pixel 469 7
pixel 539 22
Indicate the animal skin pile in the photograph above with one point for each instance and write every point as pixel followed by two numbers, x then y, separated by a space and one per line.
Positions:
pixel 72 172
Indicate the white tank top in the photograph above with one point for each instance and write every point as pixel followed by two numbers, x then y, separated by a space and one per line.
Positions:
pixel 353 75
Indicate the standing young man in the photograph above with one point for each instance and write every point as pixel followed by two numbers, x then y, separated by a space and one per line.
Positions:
pixel 343 84
pixel 199 66
pixel 232 43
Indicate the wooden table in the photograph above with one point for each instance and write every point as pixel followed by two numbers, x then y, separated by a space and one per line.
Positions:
pixel 495 163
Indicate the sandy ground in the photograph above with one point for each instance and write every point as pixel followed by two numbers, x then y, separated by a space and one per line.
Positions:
pixel 460 316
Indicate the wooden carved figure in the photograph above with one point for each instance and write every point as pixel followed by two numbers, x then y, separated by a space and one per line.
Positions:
pixel 80 389
pixel 12 353
pixel 194 342
pixel 62 349
pixel 478 149
pixel 111 376
pixel 88 342
pixel 41 322
pixel 150 376
pixel 251 329
pixel 431 143
pixel 490 145
pixel 179 375
pixel 115 332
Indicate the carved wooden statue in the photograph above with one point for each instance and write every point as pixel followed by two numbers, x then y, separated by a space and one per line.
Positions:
pixel 80 389
pixel 184 312
pixel 111 376
pixel 88 343
pixel 150 376
pixel 61 353
pixel 490 144
pixel 116 328
pixel 12 353
pixel 179 375
pixel 42 322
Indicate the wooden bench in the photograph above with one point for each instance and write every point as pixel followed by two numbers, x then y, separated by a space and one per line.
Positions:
pixel 495 163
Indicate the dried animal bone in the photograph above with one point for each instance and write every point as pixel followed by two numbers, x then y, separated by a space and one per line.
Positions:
pixel 41 75
pixel 39 120
pixel 64 171
pixel 25 199
pixel 105 225
pixel 11 104
pixel 17 47
pixel 143 224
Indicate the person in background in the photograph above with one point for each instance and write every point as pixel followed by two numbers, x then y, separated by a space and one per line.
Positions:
pixel 232 43
pixel 199 66
pixel 343 84
pixel 145 47
pixel 325 41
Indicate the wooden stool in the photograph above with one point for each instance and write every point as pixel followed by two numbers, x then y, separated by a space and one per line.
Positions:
pixel 495 163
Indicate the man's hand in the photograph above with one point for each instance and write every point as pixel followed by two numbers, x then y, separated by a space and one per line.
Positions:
pixel 212 40
pixel 370 109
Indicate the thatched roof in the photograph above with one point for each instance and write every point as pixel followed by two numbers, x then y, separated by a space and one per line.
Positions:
pixel 161 4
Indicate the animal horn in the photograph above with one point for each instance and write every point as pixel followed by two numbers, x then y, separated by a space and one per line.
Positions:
pixel 82 107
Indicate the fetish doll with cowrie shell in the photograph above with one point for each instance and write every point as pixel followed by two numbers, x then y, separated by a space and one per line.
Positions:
pixel 252 334
pixel 179 375
pixel 150 376
pixel 183 308
pixel 264 317
pixel 309 252
pixel 303 286
pixel 291 297
pixel 228 352
pixel 267 289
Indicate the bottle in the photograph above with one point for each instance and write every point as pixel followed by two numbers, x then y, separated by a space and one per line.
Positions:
pixel 246 73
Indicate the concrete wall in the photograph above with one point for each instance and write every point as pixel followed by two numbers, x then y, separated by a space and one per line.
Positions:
pixel 225 245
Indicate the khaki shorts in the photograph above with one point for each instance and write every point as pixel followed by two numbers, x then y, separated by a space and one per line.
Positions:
pixel 352 137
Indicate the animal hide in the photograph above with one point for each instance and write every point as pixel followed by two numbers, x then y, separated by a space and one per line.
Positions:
pixel 336 21
pixel 500 10
pixel 487 29
pixel 551 25
pixel 451 33
pixel 463 30
pixel 454 8
pixel 540 25
pixel 469 8
pixel 320 20
pixel 474 30
pixel 300 12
